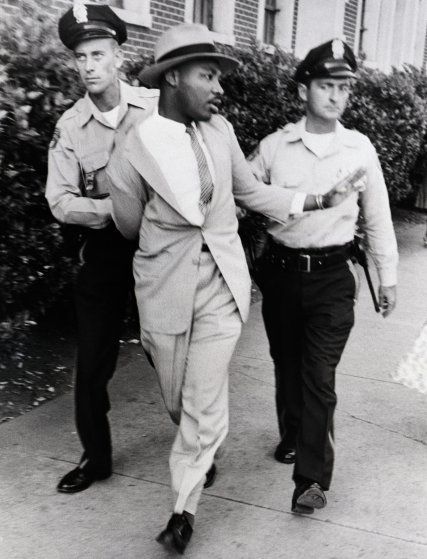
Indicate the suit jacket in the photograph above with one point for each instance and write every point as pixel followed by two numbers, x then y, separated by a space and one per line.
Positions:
pixel 165 264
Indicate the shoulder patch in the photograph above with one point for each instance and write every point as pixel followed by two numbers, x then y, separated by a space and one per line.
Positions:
pixel 55 138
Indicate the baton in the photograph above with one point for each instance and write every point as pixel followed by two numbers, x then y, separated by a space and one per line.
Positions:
pixel 363 261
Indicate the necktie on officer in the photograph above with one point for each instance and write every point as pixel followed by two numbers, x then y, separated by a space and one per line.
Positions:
pixel 206 183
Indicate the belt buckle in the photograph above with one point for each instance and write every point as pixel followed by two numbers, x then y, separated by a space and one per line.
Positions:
pixel 305 263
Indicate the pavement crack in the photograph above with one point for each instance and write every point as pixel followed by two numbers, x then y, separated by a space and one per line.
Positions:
pixel 240 355
pixel 314 519
pixel 368 378
pixel 382 427
pixel 255 378
pixel 263 507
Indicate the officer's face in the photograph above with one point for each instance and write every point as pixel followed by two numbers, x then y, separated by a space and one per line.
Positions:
pixel 326 98
pixel 98 61
pixel 197 90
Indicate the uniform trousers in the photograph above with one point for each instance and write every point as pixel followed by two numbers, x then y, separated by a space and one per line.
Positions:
pixel 192 368
pixel 103 285
pixel 308 317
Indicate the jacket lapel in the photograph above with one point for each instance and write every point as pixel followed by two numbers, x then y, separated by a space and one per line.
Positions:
pixel 147 167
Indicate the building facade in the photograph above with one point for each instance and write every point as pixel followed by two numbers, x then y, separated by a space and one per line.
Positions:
pixel 385 33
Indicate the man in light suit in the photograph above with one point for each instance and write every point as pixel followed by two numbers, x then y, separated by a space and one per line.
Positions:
pixel 175 184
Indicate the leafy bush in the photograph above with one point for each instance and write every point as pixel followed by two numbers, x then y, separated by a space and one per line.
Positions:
pixel 36 85
pixel 390 111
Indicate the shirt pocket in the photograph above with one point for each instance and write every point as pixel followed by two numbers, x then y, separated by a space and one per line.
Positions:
pixel 94 179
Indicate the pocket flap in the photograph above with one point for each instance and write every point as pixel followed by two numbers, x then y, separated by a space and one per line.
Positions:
pixel 95 161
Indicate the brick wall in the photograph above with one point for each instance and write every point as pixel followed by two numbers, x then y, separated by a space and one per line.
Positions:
pixel 165 13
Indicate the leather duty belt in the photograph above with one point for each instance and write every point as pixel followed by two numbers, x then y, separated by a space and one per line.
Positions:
pixel 307 260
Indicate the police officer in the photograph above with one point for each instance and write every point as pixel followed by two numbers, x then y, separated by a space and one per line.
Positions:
pixel 307 278
pixel 84 139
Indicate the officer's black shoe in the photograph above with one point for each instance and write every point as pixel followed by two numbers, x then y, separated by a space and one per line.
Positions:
pixel 79 479
pixel 284 453
pixel 307 497
pixel 210 477
pixel 177 534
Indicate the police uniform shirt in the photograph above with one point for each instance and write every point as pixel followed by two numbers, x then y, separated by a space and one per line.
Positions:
pixel 80 149
pixel 283 158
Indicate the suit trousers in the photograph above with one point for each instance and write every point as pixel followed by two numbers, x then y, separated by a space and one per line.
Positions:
pixel 103 285
pixel 308 318
pixel 193 374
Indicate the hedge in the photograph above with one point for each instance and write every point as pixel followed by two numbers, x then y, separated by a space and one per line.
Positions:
pixel 38 82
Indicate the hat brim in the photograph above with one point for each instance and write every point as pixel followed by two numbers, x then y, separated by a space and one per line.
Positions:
pixel 151 76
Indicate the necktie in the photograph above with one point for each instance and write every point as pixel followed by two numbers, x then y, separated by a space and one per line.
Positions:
pixel 206 183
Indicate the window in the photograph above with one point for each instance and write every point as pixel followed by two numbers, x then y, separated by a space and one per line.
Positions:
pixel 136 12
pixel 270 12
pixel 217 15
pixel 203 12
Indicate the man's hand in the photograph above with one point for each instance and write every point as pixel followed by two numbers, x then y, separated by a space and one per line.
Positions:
pixel 387 299
pixel 354 182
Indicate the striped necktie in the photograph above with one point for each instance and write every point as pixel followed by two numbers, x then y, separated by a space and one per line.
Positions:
pixel 206 183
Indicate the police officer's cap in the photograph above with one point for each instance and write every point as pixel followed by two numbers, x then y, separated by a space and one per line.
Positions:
pixel 333 59
pixel 89 21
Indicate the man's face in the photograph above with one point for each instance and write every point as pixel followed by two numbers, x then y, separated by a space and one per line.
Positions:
pixel 326 98
pixel 98 61
pixel 198 90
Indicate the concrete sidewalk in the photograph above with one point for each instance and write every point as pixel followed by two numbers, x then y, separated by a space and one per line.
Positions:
pixel 376 506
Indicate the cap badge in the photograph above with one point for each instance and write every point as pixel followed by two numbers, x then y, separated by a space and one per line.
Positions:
pixel 337 49
pixel 80 11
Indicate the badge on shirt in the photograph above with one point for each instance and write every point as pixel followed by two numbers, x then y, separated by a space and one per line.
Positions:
pixel 55 138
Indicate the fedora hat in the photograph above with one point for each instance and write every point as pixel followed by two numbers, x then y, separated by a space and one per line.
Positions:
pixel 180 44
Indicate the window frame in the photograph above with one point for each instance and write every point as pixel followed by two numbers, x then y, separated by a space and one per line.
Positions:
pixel 135 12
pixel 223 20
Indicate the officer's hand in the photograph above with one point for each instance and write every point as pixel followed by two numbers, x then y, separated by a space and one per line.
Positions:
pixel 354 182
pixel 387 299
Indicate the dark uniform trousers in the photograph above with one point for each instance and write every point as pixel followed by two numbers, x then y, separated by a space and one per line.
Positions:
pixel 308 318
pixel 102 289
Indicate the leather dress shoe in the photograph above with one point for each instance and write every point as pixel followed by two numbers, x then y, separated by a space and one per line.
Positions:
pixel 285 454
pixel 210 477
pixel 79 479
pixel 307 497
pixel 177 533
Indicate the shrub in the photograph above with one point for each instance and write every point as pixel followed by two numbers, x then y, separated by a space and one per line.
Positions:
pixel 391 112
pixel 36 85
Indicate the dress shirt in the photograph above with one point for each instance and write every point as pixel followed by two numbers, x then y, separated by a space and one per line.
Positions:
pixel 170 145
pixel 83 141
pixel 283 158
pixel 110 118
